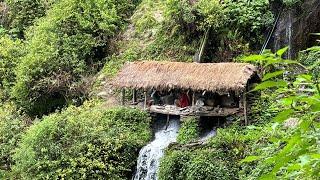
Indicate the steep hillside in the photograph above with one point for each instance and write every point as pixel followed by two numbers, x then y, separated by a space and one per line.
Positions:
pixel 57 58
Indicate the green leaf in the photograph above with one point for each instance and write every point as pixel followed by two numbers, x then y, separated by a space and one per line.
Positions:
pixel 270 84
pixel 250 159
pixel 314 48
pixel 280 61
pixel 253 58
pixel 294 167
pixel 315 107
pixel 283 115
pixel 315 156
pixel 316 34
pixel 272 75
pixel 267 177
pixel 280 52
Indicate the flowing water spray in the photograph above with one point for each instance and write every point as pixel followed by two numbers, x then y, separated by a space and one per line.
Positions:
pixel 208 134
pixel 150 155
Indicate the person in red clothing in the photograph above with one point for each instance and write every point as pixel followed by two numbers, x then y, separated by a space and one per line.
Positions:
pixel 184 100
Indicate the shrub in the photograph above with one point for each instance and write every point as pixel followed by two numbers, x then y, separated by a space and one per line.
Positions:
pixel 83 143
pixel 10 53
pixel 194 165
pixel 12 125
pixel 173 164
pixel 189 130
pixel 25 12
pixel 69 43
pixel 251 18
pixel 291 3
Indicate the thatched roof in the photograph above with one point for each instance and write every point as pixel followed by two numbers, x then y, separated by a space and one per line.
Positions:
pixel 216 77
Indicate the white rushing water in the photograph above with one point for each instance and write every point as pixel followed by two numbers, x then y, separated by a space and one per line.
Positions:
pixel 208 134
pixel 150 155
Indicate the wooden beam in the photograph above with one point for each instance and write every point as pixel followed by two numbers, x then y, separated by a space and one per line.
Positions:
pixel 173 110
pixel 123 96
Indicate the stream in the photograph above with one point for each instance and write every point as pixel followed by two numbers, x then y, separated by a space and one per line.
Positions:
pixel 150 155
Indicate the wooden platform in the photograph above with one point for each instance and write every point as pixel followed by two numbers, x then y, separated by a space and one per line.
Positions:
pixel 193 110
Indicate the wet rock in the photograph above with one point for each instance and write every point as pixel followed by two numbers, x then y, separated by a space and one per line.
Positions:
pixel 295 26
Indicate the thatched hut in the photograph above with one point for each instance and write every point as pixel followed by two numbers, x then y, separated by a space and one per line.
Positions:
pixel 218 78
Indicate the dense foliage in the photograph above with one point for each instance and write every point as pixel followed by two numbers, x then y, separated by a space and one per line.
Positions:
pixel 64 47
pixel 283 143
pixel 296 155
pixel 23 13
pixel 83 143
pixel 189 130
pixel 12 125
pixel 194 165
pixel 10 52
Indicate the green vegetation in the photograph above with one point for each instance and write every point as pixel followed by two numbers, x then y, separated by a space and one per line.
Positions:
pixel 10 52
pixel 52 52
pixel 83 143
pixel 188 131
pixel 296 154
pixel 281 144
pixel 194 164
pixel 12 125
pixel 25 12
pixel 62 50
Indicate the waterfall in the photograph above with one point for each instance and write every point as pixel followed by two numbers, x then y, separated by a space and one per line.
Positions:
pixel 289 35
pixel 150 155
pixel 208 134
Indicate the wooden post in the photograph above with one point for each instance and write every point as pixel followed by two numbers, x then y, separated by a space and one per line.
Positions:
pixel 245 108
pixel 145 100
pixel 193 99
pixel 123 94
pixel 134 96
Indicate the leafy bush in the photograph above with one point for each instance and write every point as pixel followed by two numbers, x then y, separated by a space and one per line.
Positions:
pixel 196 164
pixel 311 58
pixel 294 153
pixel 12 125
pixel 291 3
pixel 187 18
pixel 65 46
pixel 251 18
pixel 235 25
pixel 25 12
pixel 10 53
pixel 83 143
pixel 188 131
